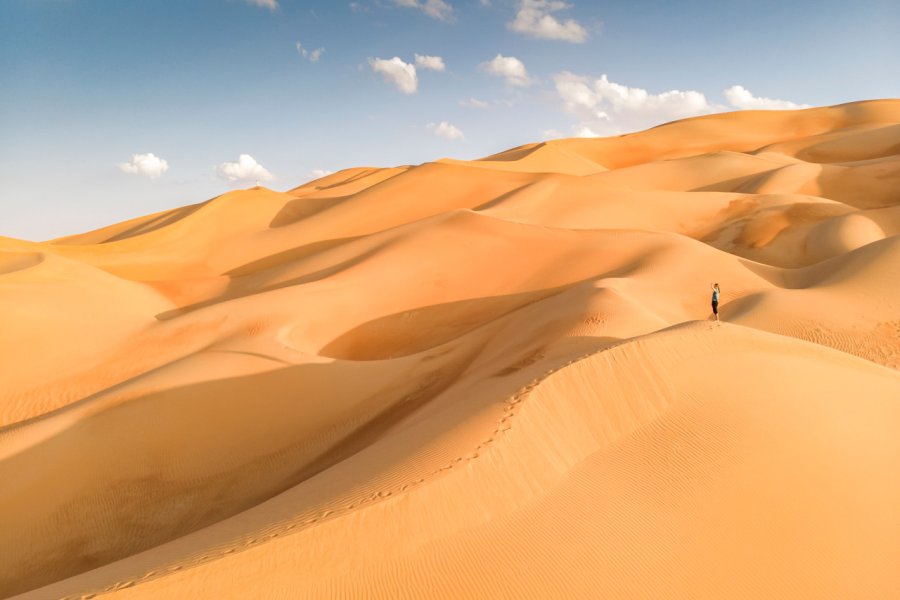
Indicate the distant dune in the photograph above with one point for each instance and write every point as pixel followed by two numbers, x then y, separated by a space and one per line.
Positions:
pixel 497 378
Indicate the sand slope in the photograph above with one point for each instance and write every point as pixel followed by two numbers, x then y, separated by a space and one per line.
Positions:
pixel 495 378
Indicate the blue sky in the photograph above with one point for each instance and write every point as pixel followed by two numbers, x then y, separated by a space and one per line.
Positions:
pixel 95 94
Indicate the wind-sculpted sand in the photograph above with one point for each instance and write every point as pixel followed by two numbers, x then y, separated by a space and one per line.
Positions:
pixel 496 379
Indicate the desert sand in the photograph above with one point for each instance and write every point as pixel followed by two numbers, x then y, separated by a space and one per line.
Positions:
pixel 495 378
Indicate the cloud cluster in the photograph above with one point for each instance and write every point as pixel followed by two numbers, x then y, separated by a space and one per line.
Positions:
pixel 148 165
pixel 312 55
pixel 445 130
pixel 394 70
pixel 740 97
pixel 509 68
pixel 270 4
pixel 473 103
pixel 535 18
pixel 403 74
pixel 245 169
pixel 606 107
pixel 436 9
pixel 434 63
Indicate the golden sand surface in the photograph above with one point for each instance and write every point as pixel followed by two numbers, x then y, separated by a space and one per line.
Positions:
pixel 495 378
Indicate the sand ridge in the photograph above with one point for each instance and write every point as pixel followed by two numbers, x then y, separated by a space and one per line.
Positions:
pixel 492 378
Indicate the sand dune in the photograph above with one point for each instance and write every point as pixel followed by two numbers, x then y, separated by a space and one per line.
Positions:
pixel 497 378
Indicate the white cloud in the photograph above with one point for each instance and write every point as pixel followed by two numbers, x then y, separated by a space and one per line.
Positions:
pixel 245 169
pixel 434 63
pixel 270 4
pixel 473 103
pixel 551 134
pixel 577 131
pixel 445 130
pixel 437 9
pixel 510 68
pixel 534 18
pixel 486 2
pixel 148 165
pixel 740 97
pixel 583 131
pixel 320 173
pixel 395 71
pixel 312 55
pixel 605 107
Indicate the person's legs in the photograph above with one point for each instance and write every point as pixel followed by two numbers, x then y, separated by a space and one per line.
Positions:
pixel 715 306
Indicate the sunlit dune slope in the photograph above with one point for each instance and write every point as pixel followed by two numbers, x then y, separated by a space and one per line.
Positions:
pixel 496 378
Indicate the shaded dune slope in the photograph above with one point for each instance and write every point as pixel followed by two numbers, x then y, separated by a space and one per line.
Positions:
pixel 494 378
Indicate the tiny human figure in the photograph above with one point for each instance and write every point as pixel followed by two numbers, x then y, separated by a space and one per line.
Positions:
pixel 715 300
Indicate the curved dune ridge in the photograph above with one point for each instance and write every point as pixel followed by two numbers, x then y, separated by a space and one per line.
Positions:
pixel 496 378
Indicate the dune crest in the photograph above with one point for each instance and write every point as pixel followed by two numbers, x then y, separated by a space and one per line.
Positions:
pixel 492 378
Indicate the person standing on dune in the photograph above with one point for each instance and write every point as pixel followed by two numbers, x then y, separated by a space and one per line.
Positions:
pixel 715 300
